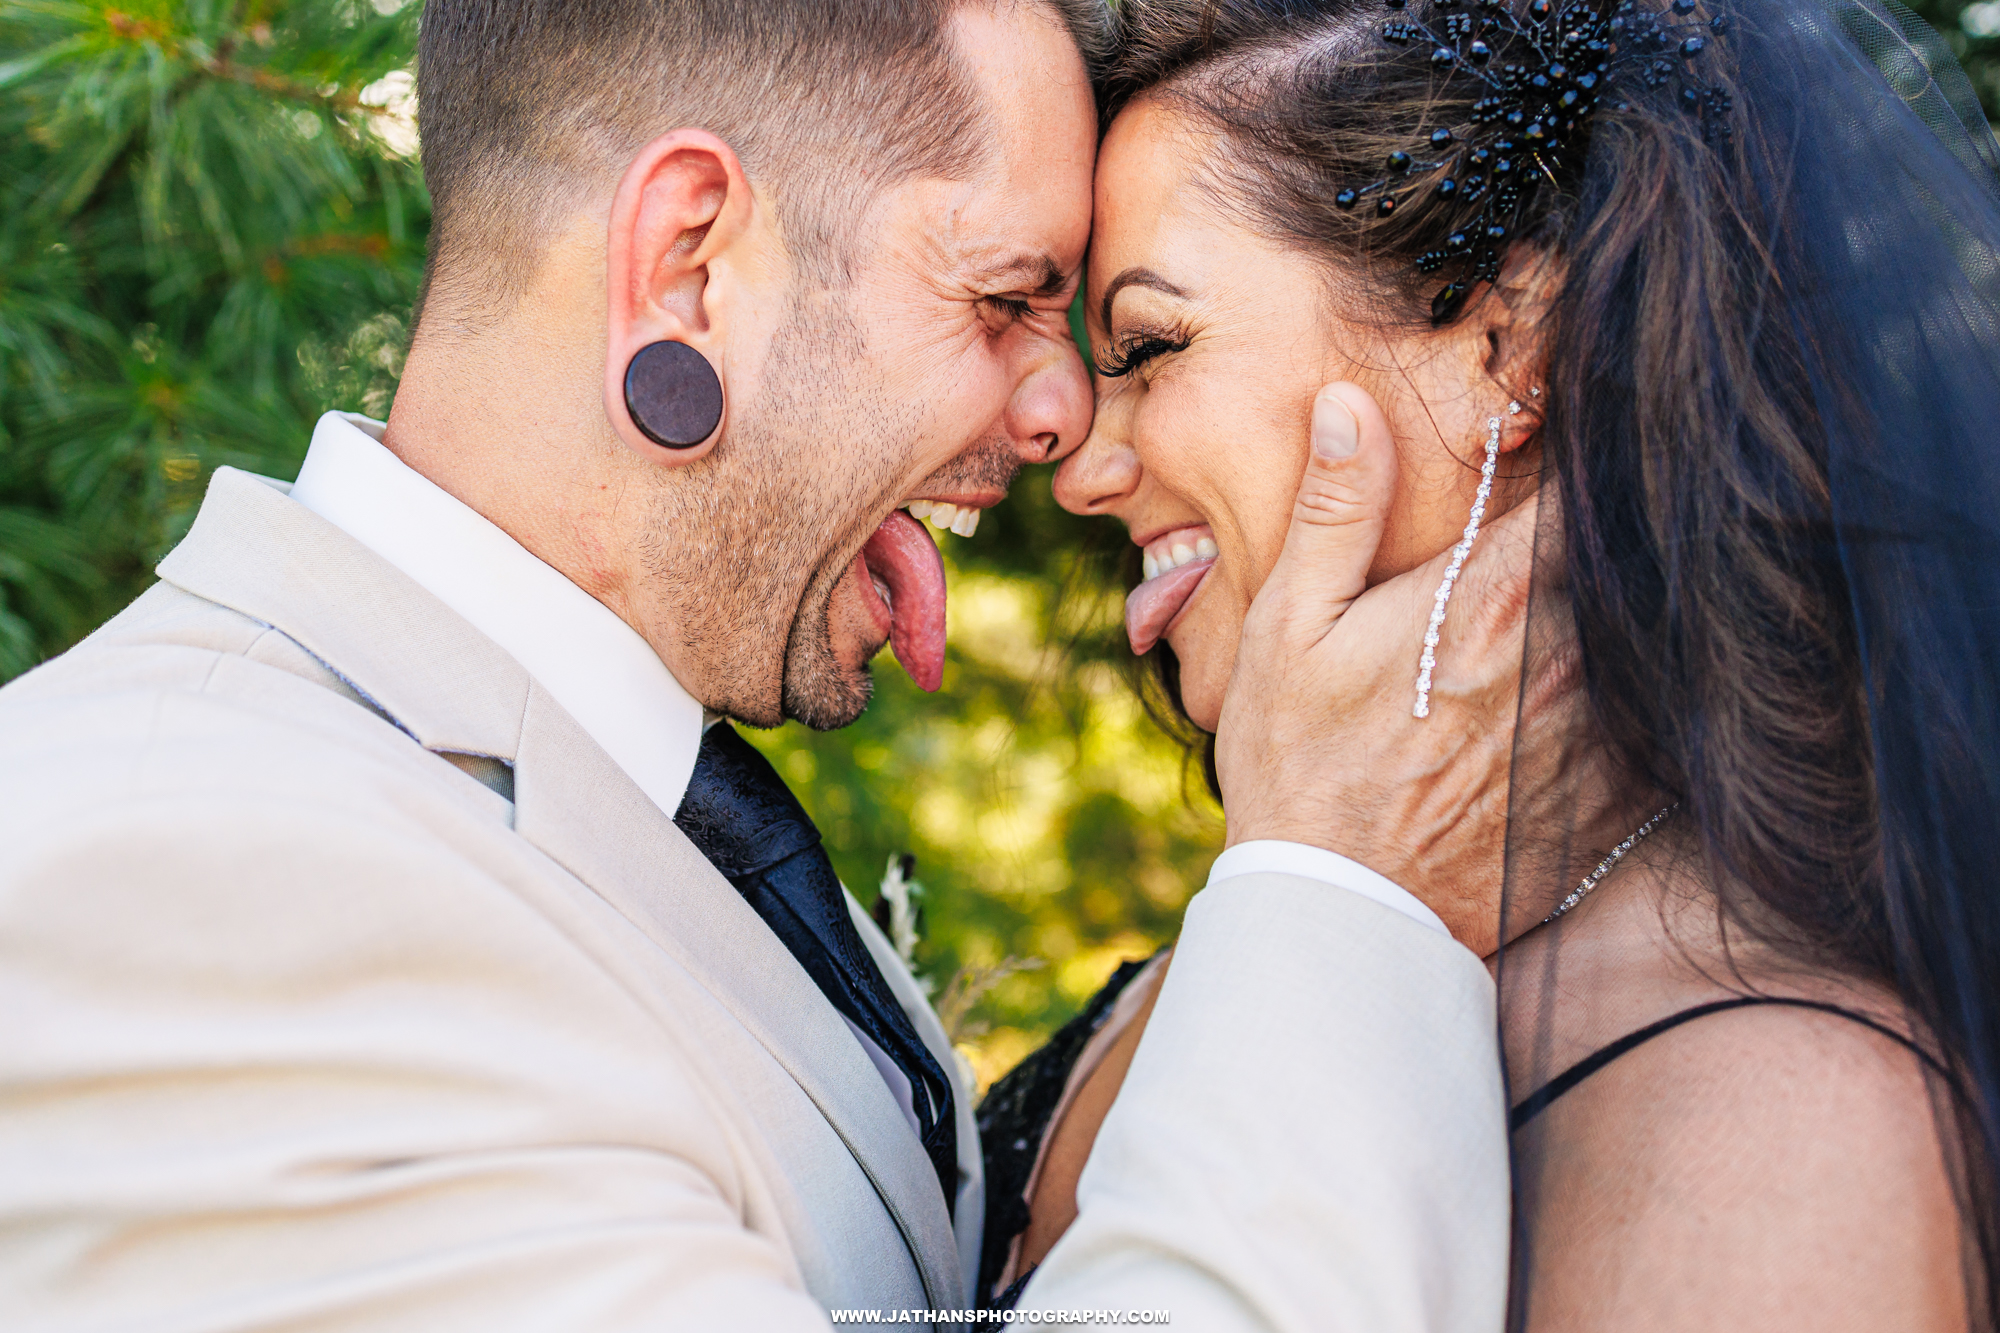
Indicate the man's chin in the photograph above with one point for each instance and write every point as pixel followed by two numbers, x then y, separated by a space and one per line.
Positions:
pixel 828 701
pixel 827 679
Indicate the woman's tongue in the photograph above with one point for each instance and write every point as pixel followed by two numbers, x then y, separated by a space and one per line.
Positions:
pixel 902 558
pixel 1175 566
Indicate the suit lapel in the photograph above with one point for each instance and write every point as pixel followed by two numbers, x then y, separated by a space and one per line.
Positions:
pixel 453 690
pixel 567 794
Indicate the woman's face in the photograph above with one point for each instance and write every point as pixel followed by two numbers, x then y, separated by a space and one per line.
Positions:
pixel 1200 446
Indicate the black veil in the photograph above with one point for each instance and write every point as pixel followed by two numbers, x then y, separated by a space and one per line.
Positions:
pixel 1785 615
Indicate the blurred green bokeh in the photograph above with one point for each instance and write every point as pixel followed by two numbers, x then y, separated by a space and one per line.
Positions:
pixel 211 229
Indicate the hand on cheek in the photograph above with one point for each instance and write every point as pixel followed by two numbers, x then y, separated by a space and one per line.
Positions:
pixel 1286 693
pixel 1317 742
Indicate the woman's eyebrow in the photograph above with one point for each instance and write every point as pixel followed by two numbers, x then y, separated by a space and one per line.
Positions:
pixel 1137 277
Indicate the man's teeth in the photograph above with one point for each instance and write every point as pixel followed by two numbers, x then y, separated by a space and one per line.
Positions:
pixel 1161 557
pixel 947 517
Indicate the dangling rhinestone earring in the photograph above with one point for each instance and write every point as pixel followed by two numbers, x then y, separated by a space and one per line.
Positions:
pixel 1458 554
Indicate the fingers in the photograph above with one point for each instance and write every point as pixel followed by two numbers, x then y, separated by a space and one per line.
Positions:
pixel 1337 520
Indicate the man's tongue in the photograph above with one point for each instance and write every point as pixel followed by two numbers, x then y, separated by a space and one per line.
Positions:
pixel 1177 563
pixel 902 557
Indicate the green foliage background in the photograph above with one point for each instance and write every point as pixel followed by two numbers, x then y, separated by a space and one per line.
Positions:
pixel 211 229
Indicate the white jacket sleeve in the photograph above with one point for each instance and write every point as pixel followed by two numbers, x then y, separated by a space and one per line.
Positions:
pixel 1312 1135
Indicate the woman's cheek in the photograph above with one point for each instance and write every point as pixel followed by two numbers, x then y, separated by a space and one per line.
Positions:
pixel 1205 643
pixel 1201 693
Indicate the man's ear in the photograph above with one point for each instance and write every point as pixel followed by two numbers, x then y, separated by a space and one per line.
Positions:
pixel 683 201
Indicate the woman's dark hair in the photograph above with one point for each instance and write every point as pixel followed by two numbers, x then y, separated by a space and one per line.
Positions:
pixel 1685 446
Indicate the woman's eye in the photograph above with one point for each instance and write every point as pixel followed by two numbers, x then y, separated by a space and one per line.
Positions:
pixel 1136 352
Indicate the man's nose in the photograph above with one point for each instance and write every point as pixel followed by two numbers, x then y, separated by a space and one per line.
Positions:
pixel 1050 410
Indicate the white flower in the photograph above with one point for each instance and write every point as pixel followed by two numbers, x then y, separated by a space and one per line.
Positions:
pixel 901 895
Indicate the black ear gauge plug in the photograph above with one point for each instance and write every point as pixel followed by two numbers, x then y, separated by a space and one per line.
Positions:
pixel 673 394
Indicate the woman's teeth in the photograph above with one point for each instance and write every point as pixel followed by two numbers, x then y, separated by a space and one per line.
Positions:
pixel 963 520
pixel 1177 550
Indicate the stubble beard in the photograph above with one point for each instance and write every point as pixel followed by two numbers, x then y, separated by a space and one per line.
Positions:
pixel 805 466
pixel 787 501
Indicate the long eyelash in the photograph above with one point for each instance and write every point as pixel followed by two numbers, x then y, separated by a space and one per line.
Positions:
pixel 1019 309
pixel 1137 351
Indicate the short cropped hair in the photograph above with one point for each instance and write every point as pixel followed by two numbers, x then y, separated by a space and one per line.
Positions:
pixel 525 106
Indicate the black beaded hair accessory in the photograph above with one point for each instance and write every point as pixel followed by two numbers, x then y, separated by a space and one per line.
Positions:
pixel 1546 70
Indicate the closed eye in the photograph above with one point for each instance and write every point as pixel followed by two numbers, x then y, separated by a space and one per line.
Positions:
pixel 1136 351
pixel 1013 307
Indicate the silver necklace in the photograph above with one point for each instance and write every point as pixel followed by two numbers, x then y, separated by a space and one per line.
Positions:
pixel 1612 858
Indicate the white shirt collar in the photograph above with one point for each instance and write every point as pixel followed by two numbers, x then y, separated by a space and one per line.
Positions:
pixel 594 664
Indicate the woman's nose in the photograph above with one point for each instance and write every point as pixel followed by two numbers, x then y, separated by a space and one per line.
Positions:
pixel 1100 476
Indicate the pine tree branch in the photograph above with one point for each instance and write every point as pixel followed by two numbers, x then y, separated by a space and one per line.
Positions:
pixel 221 65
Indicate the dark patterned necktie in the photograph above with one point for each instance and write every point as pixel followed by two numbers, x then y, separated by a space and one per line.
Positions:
pixel 751 828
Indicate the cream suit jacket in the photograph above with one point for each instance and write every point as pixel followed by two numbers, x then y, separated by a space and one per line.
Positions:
pixel 347 984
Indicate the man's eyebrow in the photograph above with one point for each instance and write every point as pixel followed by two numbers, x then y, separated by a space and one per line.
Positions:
pixel 1039 275
pixel 1137 277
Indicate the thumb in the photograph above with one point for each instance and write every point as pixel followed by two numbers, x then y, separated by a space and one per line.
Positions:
pixel 1342 505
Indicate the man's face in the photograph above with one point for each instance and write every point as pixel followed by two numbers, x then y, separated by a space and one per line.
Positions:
pixel 941 366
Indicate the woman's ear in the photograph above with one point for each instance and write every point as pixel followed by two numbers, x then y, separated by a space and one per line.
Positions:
pixel 1517 357
pixel 682 203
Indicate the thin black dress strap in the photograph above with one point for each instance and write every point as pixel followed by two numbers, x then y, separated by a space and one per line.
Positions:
pixel 1538 1101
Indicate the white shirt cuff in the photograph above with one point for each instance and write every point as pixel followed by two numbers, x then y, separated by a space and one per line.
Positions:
pixel 1270 856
